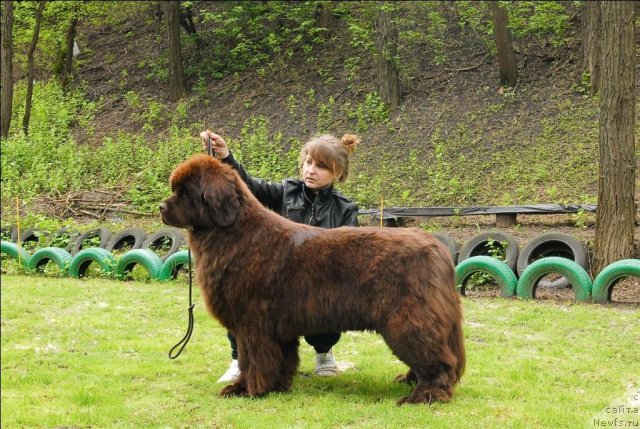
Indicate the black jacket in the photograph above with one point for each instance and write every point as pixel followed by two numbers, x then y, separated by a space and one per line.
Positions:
pixel 293 200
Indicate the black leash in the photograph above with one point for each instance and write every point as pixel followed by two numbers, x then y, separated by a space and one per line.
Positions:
pixel 183 342
pixel 187 336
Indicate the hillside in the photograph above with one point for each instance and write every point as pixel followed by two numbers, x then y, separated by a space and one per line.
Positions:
pixel 456 139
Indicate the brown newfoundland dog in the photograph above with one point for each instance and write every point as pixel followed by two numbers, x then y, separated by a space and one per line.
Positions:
pixel 269 281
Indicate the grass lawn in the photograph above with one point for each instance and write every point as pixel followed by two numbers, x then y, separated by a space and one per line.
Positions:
pixel 80 353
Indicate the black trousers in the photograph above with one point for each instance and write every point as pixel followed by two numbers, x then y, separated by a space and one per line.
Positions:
pixel 322 343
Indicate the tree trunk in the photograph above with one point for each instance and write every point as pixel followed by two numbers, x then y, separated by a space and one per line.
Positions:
pixel 387 44
pixel 616 186
pixel 175 55
pixel 591 44
pixel 31 67
pixel 67 66
pixel 6 68
pixel 325 18
pixel 506 58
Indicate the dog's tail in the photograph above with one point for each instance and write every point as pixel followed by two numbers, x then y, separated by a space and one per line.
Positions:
pixel 456 343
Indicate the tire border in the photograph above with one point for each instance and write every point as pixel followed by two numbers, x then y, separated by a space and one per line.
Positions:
pixel 145 257
pixel 85 257
pixel 177 238
pixel 497 269
pixel 15 252
pixel 576 247
pixel 606 279
pixel 61 257
pixel 449 242
pixel 172 264
pixel 511 249
pixel 578 277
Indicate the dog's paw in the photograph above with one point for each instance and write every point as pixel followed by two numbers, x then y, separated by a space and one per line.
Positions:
pixel 408 378
pixel 235 389
pixel 428 396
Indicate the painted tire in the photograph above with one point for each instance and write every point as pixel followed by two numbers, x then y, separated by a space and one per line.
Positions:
pixel 41 257
pixel 86 257
pixel 16 252
pixel 145 257
pixel 132 237
pixel 32 235
pixel 501 273
pixel 553 244
pixel 578 277
pixel 154 242
pixel 103 233
pixel 10 233
pixel 173 263
pixel 479 246
pixel 449 242
pixel 604 282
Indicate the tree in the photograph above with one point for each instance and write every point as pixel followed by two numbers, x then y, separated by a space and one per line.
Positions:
pixel 31 67
pixel 67 63
pixel 615 216
pixel 325 18
pixel 506 58
pixel 591 43
pixel 7 68
pixel 387 60
pixel 175 54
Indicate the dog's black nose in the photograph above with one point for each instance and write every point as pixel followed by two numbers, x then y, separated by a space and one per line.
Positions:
pixel 163 206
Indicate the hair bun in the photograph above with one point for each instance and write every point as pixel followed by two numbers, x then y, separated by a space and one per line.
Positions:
pixel 350 141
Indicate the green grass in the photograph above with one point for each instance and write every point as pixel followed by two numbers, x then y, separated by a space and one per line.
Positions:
pixel 78 353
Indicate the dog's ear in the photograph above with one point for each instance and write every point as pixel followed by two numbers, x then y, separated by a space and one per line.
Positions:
pixel 220 200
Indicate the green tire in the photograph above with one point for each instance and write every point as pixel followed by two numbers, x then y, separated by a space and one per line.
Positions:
pixel 16 252
pixel 501 273
pixel 604 282
pixel 145 257
pixel 86 257
pixel 577 276
pixel 172 264
pixel 42 257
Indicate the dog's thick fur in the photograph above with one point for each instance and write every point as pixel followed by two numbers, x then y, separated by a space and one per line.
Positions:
pixel 269 281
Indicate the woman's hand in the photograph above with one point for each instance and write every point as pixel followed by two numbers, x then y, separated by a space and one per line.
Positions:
pixel 218 145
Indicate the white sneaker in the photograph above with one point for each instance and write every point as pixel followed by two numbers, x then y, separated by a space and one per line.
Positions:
pixel 232 374
pixel 326 365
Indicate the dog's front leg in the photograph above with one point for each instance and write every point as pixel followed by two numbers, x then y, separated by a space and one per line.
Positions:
pixel 239 388
pixel 260 358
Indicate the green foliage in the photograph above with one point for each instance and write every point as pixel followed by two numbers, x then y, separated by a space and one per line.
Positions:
pixel 263 155
pixel 244 35
pixel 48 160
pixel 371 111
pixel 547 21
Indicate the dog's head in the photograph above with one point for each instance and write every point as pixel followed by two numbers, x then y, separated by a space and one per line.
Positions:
pixel 204 195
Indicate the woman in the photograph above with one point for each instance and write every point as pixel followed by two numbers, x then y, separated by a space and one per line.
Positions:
pixel 310 200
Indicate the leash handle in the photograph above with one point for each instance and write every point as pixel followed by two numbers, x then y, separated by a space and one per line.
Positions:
pixel 209 147
pixel 183 342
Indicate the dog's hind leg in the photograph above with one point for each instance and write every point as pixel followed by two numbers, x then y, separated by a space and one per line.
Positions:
pixel 430 360
pixel 433 385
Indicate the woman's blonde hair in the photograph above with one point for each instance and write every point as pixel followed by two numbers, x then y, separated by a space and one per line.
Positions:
pixel 328 150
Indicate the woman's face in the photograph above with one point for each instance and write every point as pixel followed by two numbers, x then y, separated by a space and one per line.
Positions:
pixel 316 175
